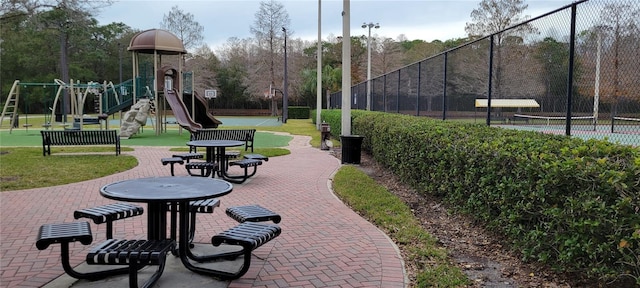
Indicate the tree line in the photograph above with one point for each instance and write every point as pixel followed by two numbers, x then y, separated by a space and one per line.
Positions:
pixel 42 40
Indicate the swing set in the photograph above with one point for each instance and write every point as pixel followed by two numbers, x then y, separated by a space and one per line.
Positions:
pixel 78 93
pixel 11 106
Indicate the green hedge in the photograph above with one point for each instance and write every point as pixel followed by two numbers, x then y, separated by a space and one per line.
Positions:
pixel 299 112
pixel 571 204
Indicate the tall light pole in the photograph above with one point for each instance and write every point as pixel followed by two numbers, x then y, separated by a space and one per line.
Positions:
pixel 285 96
pixel 346 68
pixel 319 70
pixel 370 25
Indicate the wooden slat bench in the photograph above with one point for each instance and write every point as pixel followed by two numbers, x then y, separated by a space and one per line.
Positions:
pixel 133 253
pixel 109 213
pixel 78 137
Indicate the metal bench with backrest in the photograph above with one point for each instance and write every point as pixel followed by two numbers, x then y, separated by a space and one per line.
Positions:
pixel 245 135
pixel 78 137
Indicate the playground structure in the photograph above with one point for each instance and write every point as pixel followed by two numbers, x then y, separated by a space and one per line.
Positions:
pixel 197 106
pixel 180 111
pixel 167 81
pixel 110 98
pixel 78 95
pixel 190 110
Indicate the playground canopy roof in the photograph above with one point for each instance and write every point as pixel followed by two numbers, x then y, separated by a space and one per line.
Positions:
pixel 156 40
pixel 508 103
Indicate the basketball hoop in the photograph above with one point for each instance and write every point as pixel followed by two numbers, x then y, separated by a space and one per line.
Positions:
pixel 267 94
pixel 210 93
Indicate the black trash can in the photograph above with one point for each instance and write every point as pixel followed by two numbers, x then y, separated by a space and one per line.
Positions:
pixel 351 148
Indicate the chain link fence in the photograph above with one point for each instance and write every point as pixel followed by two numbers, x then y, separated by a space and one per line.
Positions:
pixel 519 78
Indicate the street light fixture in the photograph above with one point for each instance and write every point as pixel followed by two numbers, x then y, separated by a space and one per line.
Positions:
pixel 369 25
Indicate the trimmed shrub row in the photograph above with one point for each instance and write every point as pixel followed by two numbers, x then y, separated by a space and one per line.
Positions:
pixel 299 112
pixel 571 204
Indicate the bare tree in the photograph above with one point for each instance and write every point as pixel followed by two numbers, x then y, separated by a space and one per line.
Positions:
pixel 236 71
pixel 389 55
pixel 184 26
pixel 298 62
pixel 203 63
pixel 493 16
pixel 621 22
pixel 267 28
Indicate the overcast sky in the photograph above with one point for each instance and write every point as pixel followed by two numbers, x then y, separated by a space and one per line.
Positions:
pixel 417 19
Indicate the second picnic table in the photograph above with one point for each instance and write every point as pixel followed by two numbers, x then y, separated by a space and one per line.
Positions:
pixel 216 150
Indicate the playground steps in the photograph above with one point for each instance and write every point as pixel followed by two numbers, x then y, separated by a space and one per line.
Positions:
pixel 11 105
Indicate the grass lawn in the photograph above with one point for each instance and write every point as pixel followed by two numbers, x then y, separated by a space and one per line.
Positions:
pixel 25 167
pixel 394 217
pixel 22 165
pixel 174 137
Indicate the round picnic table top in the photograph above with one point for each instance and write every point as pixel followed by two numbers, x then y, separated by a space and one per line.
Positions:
pixel 166 189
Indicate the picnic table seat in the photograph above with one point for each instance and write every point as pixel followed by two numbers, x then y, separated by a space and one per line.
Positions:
pixel 198 206
pixel 172 161
pixel 244 164
pixel 189 156
pixel 250 236
pixel 230 154
pixel 252 213
pixel 206 168
pixel 134 253
pixel 256 157
pixel 109 213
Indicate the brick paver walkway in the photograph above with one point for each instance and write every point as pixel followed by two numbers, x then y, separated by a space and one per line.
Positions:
pixel 323 242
